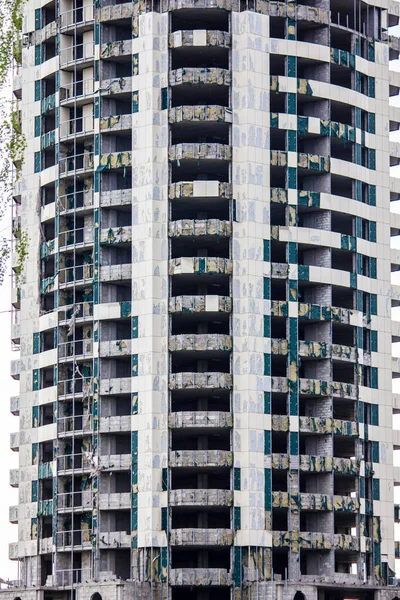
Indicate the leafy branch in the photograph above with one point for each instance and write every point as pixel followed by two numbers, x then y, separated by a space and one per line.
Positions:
pixel 21 250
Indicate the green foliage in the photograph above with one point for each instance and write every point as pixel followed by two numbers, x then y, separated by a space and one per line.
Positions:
pixel 21 249
pixel 10 35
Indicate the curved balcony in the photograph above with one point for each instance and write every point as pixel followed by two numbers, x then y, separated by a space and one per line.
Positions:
pixel 199 189
pixel 316 387
pixel 200 498
pixel 200 419
pixel 200 458
pixel 203 342
pixel 200 76
pixel 78 163
pixel 188 265
pixel 199 37
pixel 200 304
pixel 81 55
pixel 199 577
pixel 202 113
pixel 197 227
pixel 203 4
pixel 197 152
pixel 200 381
pixel 201 537
pixel 80 19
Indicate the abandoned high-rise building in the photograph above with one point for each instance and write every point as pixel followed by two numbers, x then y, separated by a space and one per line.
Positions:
pixel 204 315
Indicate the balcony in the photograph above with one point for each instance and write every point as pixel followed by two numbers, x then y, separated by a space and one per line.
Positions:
pixel 205 342
pixel 199 38
pixel 115 501
pixel 77 18
pixel 199 4
pixel 199 227
pixel 115 386
pixel 196 497
pixel 115 424
pixel 114 539
pixel 188 265
pixel 200 381
pixel 199 304
pixel 116 235
pixel 79 54
pixel 199 577
pixel 201 537
pixel 199 189
pixel 13 514
pixel 116 123
pixel 14 405
pixel 115 272
pixel 79 163
pixel 200 114
pixel 200 76
pixel 315 502
pixel 200 419
pixel 115 462
pixel 200 458
pixel 80 539
pixel 211 152
pixel 46 545
pixel 14 478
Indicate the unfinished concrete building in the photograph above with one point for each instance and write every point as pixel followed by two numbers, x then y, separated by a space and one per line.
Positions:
pixel 204 317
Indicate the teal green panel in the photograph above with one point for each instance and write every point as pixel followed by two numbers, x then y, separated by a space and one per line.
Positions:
pixel 97 108
pixel 135 101
pixel 38 19
pixel 236 478
pixel 97 144
pixel 358 154
pixel 236 518
pixel 96 70
pixel 292 178
pixel 302 125
pixel 361 412
pixel 371 123
pixel 164 479
pixel 374 341
pixel 35 416
pixel 292 253
pixel 126 309
pixel 34 490
pixel 358 227
pixel 358 191
pixel 37 126
pixel 358 82
pixel 291 104
pixel 134 518
pixel 267 326
pixel 35 380
pixel 371 50
pixel 164 518
pixel 35 453
pixel 375 414
pixel 164 98
pixel 267 288
pixel 268 489
pixel 359 264
pixel 97 33
pixel 353 281
pixel 37 90
pixel 375 489
pixel 274 121
pixel 37 54
pixel 374 304
pixel 372 267
pixel 374 378
pixel 362 487
pixel 371 159
pixel 360 337
pixel 293 290
pixel 372 231
pixel 37 162
pixel 375 452
pixel 372 195
pixel 135 64
pixel 135 403
pixel 371 87
pixel 237 566
pixel 267 365
pixel 267 403
pixel 267 442
pixel 267 252
pixel 36 343
pixel 291 66
pixel 292 141
pixel 358 117
pixel 358 46
pixel 135 327
pixel 303 273
pixel 294 442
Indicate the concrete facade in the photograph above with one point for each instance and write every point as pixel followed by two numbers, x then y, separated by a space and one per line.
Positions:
pixel 204 317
